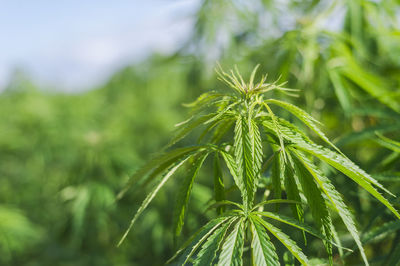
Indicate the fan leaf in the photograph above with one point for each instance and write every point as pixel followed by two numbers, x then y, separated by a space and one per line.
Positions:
pixel 263 251
pixel 307 119
pixel 209 250
pixel 285 240
pixel 150 197
pixel 184 193
pixel 337 202
pixel 316 202
pixel 232 249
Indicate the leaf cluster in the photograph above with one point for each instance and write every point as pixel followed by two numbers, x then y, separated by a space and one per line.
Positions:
pixel 241 131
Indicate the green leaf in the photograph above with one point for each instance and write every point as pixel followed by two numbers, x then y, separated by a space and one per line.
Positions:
pixel 367 133
pixel 205 100
pixel 285 125
pixel 388 143
pixel 232 249
pixel 224 203
pixel 305 118
pixel 338 242
pixel 230 163
pixel 253 74
pixel 256 148
pixel 190 246
pixel 248 153
pixel 277 175
pixel 337 202
pixel 157 165
pixel 274 126
pixel 341 163
pixel 293 193
pixel 200 242
pixel 219 188
pixel 340 90
pixel 221 126
pixel 292 222
pixel 316 202
pixel 263 251
pixel 184 192
pixel 220 113
pixel 208 252
pixel 242 155
pixel 381 231
pixel 275 201
pixel 285 240
pixel 371 83
pixel 228 79
pixel 189 126
pixel 222 129
pixel 351 170
pixel 150 197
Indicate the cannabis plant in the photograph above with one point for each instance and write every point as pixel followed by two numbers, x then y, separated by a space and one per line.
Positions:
pixel 247 139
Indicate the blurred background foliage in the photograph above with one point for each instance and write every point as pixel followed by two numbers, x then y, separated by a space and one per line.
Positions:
pixel 64 157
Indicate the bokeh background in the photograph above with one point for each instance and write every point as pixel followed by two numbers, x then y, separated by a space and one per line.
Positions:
pixel 89 90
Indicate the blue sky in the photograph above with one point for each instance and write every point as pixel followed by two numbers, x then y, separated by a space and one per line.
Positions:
pixel 78 44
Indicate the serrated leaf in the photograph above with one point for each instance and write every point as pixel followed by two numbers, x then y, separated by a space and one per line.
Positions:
pixel 293 193
pixel 286 125
pixel 201 234
pixel 209 250
pixel 256 148
pixel 230 163
pixel 341 163
pixel 351 170
pixel 200 242
pixel 305 118
pixel 184 192
pixel 232 248
pixel 316 202
pixel 293 222
pixel 263 251
pixel 150 197
pixel 274 126
pixel 337 202
pixel 248 155
pixel 285 240
pixel 241 156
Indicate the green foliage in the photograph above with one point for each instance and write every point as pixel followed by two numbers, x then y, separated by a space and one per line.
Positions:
pixel 17 233
pixel 244 156
pixel 64 157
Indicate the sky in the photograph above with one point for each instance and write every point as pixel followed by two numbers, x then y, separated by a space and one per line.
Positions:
pixel 74 45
